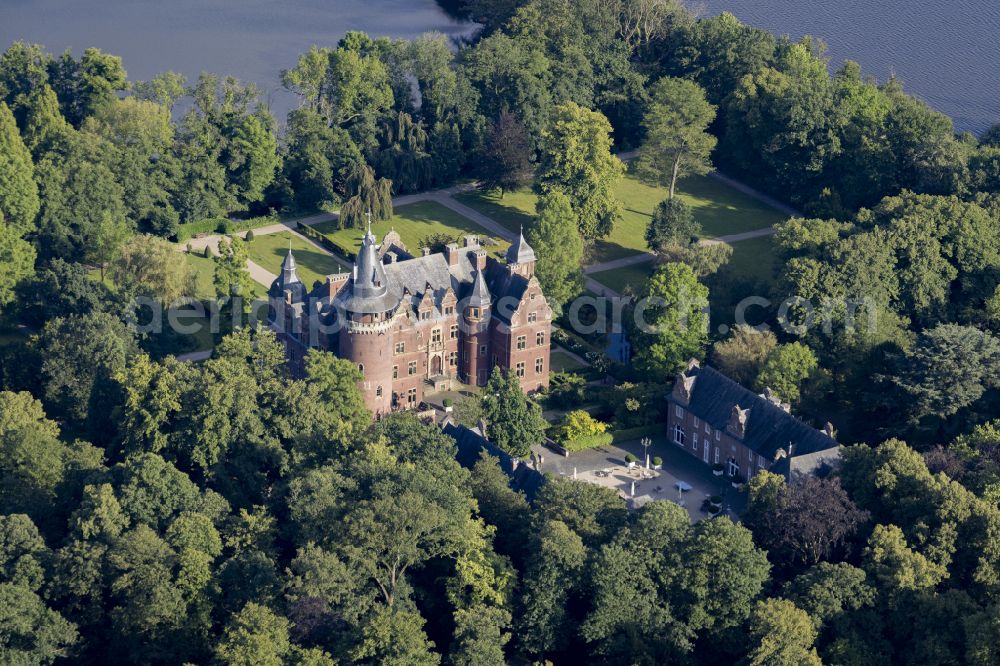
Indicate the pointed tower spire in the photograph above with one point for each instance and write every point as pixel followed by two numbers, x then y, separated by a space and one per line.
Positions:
pixel 288 266
pixel 520 252
pixel 480 296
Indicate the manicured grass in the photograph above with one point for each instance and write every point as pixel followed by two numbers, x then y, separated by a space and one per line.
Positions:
pixel 634 276
pixel 560 361
pixel 511 210
pixel 413 222
pixel 203 269
pixel 720 209
pixel 752 261
pixel 313 264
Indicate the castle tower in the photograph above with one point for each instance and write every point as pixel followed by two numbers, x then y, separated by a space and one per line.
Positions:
pixel 476 320
pixel 366 307
pixel 520 257
pixel 286 298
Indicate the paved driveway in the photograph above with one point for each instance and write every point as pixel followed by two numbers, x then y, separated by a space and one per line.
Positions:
pixel 606 466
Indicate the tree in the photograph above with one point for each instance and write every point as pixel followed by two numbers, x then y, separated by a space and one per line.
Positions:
pixel 513 423
pixel 576 160
pixel 395 637
pixel 80 355
pixel 60 289
pixel 319 159
pixel 87 85
pixel 803 523
pixel 357 90
pixel 480 636
pixel 672 224
pixel 256 636
pixel 17 261
pixel 151 400
pixel 368 195
pixel 553 571
pixel 505 162
pixel 677 140
pixel 786 367
pixel 164 89
pixel 231 277
pixel 19 203
pixel 782 634
pixel 895 566
pixel 674 320
pixel 556 240
pixel 152 267
pixel 31 633
pixel 742 355
pixel 948 368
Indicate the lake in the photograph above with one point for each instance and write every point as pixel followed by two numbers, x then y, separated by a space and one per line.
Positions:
pixel 945 53
pixel 250 39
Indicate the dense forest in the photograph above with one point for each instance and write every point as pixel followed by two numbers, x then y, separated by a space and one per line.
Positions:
pixel 160 512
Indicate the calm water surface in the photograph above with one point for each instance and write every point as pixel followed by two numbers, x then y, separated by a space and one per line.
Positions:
pixel 945 52
pixel 250 39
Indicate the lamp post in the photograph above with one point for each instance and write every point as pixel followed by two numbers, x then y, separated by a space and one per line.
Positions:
pixel 646 442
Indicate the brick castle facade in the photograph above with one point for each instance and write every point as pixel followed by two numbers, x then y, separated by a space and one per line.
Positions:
pixel 415 324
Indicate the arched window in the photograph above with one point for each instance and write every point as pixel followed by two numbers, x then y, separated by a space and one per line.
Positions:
pixel 361 368
pixel 378 392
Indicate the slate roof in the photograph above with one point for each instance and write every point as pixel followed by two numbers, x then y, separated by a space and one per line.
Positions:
pixel 471 443
pixel 288 279
pixel 520 252
pixel 768 428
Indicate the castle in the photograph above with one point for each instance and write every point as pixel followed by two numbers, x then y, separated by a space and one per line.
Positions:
pixel 418 323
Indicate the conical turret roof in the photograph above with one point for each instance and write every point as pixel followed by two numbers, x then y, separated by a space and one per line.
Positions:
pixel 480 296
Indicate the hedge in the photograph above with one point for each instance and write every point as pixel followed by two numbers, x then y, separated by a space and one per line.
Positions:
pixel 588 442
pixel 222 225
pixel 627 434
pixel 323 240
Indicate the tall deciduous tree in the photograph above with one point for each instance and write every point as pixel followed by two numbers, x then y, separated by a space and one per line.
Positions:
pixel 231 277
pixel 17 261
pixel 19 202
pixel 786 367
pixel 674 326
pixel 576 159
pixel 743 353
pixel 672 224
pixel 513 422
pixel 505 163
pixel 677 140
pixel 559 247
pixel 152 267
pixel 782 634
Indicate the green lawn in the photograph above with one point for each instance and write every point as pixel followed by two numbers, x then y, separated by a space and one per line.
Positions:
pixel 313 264
pixel 560 361
pixel 413 222
pixel 619 278
pixel 203 270
pixel 719 208
pixel 752 261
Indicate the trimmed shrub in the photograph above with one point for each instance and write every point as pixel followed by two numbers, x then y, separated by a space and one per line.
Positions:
pixel 587 442
pixel 629 458
pixel 249 236
pixel 657 460
pixel 208 252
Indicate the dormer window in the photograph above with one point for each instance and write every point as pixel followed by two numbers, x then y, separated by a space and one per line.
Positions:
pixel 532 316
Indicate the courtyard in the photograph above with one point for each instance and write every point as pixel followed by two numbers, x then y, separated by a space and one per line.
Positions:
pixel 606 466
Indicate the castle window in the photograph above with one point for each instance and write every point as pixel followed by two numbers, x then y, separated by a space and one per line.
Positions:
pixel 522 341
pixel 473 312
pixel 678 412
pixel 454 332
pixel 378 392
pixel 436 335
pixel 540 338
pixel 734 468
pixel 694 441
pixel 448 309
pixel 539 366
pixel 520 369
pixel 532 316
pixel 532 295
pixel 453 359
pixel 411 397
pixel 717 438
pixel 716 455
pixel 400 347
pixel 695 422
pixel 411 369
pixel 679 435
pixel 482 350
pixel 361 368
pixel 425 315
pixel 395 372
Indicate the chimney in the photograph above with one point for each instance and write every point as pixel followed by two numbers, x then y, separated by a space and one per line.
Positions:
pixel 451 253
pixel 425 251
pixel 684 388
pixel 470 241
pixel 480 259
pixel 737 426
